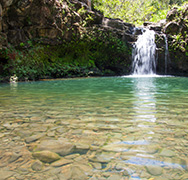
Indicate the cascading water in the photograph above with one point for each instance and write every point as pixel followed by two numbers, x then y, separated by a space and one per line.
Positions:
pixel 166 53
pixel 144 54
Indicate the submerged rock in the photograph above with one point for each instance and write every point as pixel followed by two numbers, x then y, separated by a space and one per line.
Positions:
pixel 62 162
pixel 61 146
pixel 37 165
pixel 97 165
pixel 14 157
pixel 167 153
pixel 4 174
pixel 115 177
pixel 46 156
pixel 116 147
pixel 154 170
pixel 78 173
pixel 75 172
pixel 33 138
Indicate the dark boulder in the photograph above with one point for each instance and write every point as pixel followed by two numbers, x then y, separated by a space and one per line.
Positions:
pixel 172 28
pixel 172 14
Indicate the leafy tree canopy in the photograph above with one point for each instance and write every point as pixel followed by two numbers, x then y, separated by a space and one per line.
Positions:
pixel 136 11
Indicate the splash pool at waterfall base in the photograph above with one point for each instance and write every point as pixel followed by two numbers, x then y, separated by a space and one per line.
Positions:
pixel 115 128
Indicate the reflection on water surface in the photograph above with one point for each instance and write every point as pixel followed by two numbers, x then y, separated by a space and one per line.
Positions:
pixel 100 128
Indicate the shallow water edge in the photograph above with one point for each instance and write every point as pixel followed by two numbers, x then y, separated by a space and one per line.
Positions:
pixel 95 128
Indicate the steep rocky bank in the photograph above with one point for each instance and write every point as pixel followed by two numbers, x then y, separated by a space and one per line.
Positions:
pixel 177 30
pixel 55 38
pixel 50 39
pixel 173 30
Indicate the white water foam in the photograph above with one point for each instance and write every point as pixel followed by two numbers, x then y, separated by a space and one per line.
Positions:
pixel 146 75
pixel 144 62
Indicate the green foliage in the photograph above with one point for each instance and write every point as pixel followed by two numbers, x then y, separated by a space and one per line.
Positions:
pixel 135 11
pixel 22 44
pixel 160 15
pixel 179 42
pixel 96 50
pixel 81 11
pixel 39 62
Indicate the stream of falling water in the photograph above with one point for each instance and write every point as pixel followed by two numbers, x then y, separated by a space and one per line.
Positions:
pixel 144 62
pixel 166 53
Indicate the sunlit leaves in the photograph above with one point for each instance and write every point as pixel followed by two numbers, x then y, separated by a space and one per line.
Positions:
pixel 135 11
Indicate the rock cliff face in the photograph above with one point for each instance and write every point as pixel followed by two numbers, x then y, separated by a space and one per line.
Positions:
pixel 177 31
pixel 23 20
pixel 175 28
pixel 25 24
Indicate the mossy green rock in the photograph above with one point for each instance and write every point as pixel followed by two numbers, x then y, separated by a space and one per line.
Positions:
pixel 46 156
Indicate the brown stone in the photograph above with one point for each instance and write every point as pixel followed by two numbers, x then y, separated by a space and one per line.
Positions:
pixel 50 33
pixel 61 146
pixel 172 28
pixel 37 165
pixel 4 174
pixel 46 156
pixel 62 162
pixel 113 23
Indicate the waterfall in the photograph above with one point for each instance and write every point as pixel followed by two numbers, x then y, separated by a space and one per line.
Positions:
pixel 166 53
pixel 144 54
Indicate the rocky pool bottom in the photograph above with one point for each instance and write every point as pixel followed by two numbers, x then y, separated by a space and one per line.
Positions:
pixel 120 128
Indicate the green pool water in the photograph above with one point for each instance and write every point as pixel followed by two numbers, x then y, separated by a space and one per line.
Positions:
pixel 131 127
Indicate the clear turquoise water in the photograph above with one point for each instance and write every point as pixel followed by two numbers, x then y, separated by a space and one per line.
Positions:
pixel 139 118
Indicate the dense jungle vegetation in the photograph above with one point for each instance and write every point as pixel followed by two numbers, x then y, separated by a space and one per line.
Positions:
pixel 137 11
